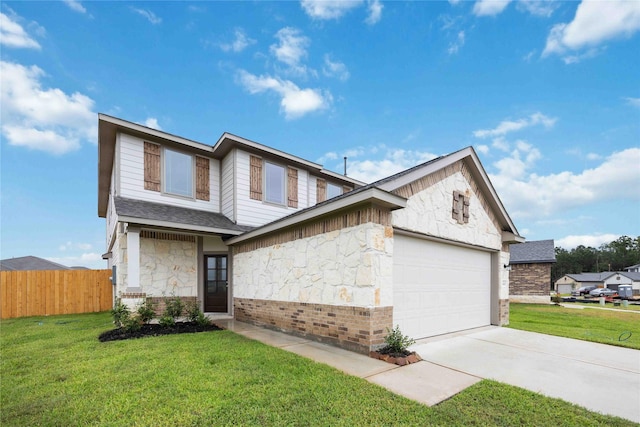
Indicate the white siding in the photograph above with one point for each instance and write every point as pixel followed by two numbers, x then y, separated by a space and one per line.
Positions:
pixel 255 212
pixel 131 178
pixel 228 203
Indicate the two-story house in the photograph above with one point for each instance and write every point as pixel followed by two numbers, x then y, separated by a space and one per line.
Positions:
pixel 270 238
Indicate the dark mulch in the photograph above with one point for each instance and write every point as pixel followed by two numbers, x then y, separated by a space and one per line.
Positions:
pixel 392 353
pixel 154 330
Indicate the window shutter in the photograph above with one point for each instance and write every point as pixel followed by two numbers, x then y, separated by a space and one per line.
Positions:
pixel 293 188
pixel 346 189
pixel 465 209
pixel 202 178
pixel 151 166
pixel 321 190
pixel 255 188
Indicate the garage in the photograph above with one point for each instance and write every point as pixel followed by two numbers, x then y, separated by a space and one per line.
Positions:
pixel 439 288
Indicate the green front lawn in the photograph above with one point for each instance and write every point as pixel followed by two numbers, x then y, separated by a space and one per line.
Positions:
pixel 603 326
pixel 56 373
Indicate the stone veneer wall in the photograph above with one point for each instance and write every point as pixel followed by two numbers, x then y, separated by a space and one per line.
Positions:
pixel 359 329
pixel 530 283
pixel 168 264
pixel 503 315
pixel 330 280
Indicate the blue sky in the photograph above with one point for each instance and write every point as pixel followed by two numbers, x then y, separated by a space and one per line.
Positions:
pixel 548 93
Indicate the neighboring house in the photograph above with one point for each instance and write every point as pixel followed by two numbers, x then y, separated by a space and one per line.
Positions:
pixel 30 263
pixel 606 279
pixel 275 240
pixel 632 269
pixel 530 275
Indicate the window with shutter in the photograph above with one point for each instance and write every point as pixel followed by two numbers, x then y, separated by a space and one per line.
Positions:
pixel 293 188
pixel 460 210
pixel 255 191
pixel 151 166
pixel 202 178
pixel 321 190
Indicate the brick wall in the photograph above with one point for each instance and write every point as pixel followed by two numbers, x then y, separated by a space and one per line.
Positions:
pixel 530 279
pixel 359 329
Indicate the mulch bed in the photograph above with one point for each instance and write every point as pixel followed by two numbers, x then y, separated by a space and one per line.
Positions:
pixel 154 330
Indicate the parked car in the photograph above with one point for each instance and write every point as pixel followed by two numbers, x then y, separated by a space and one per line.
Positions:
pixel 583 290
pixel 603 292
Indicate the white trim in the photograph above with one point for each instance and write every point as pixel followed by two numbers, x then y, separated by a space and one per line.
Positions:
pixel 422 236
pixel 133 257
pixel 372 195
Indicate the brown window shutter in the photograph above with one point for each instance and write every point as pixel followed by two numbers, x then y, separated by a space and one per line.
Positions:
pixel 321 187
pixel 293 188
pixel 151 166
pixel 255 187
pixel 465 209
pixel 202 178
pixel 346 189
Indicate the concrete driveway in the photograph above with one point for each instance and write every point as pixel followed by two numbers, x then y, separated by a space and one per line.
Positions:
pixel 599 377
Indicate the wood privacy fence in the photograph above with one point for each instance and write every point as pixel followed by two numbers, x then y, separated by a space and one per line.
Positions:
pixel 48 292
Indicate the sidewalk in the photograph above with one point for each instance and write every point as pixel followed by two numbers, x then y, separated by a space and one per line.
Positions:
pixel 424 382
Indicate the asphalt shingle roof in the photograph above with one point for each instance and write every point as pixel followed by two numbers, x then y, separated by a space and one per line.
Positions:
pixel 29 263
pixel 159 212
pixel 538 251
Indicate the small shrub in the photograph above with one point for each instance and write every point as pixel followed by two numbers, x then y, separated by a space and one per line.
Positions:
pixel 202 319
pixel 195 315
pixel 146 311
pixel 167 321
pixel 396 342
pixel 132 323
pixel 120 313
pixel 173 307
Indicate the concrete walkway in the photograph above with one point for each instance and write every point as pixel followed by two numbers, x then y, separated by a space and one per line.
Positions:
pixel 599 377
pixel 424 382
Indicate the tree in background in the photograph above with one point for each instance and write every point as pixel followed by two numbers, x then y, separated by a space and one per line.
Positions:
pixel 615 256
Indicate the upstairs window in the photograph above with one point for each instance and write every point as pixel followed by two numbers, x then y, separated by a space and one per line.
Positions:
pixel 333 190
pixel 178 173
pixel 275 184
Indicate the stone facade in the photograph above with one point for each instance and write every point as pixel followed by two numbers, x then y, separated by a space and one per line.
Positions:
pixel 352 266
pixel 359 329
pixel 168 267
pixel 530 283
pixel 503 312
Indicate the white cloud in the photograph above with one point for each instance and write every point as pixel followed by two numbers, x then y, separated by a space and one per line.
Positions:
pixel 454 2
pixel 457 44
pixel 150 16
pixel 292 46
pixel 634 102
pixel 484 149
pixel 335 69
pixel 70 245
pixel 76 6
pixel 490 7
pixel 543 8
pixel 152 123
pixel 371 169
pixel 328 9
pixel 240 42
pixel 91 260
pixel 574 59
pixel 593 240
pixel 531 195
pixel 523 157
pixel 508 126
pixel 43 119
pixel 375 12
pixel 294 101
pixel 594 23
pixel 13 35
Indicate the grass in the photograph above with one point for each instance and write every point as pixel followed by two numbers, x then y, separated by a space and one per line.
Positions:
pixel 603 326
pixel 56 373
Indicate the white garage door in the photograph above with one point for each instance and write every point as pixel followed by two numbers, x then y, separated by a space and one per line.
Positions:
pixel 439 288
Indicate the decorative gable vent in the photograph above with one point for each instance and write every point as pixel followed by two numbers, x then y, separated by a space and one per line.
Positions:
pixel 460 211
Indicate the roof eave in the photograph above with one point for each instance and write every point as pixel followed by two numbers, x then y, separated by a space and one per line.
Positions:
pixel 372 196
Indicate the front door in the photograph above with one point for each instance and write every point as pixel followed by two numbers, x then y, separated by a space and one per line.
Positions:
pixel 215 284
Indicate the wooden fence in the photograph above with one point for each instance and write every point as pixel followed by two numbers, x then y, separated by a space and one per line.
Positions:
pixel 49 292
